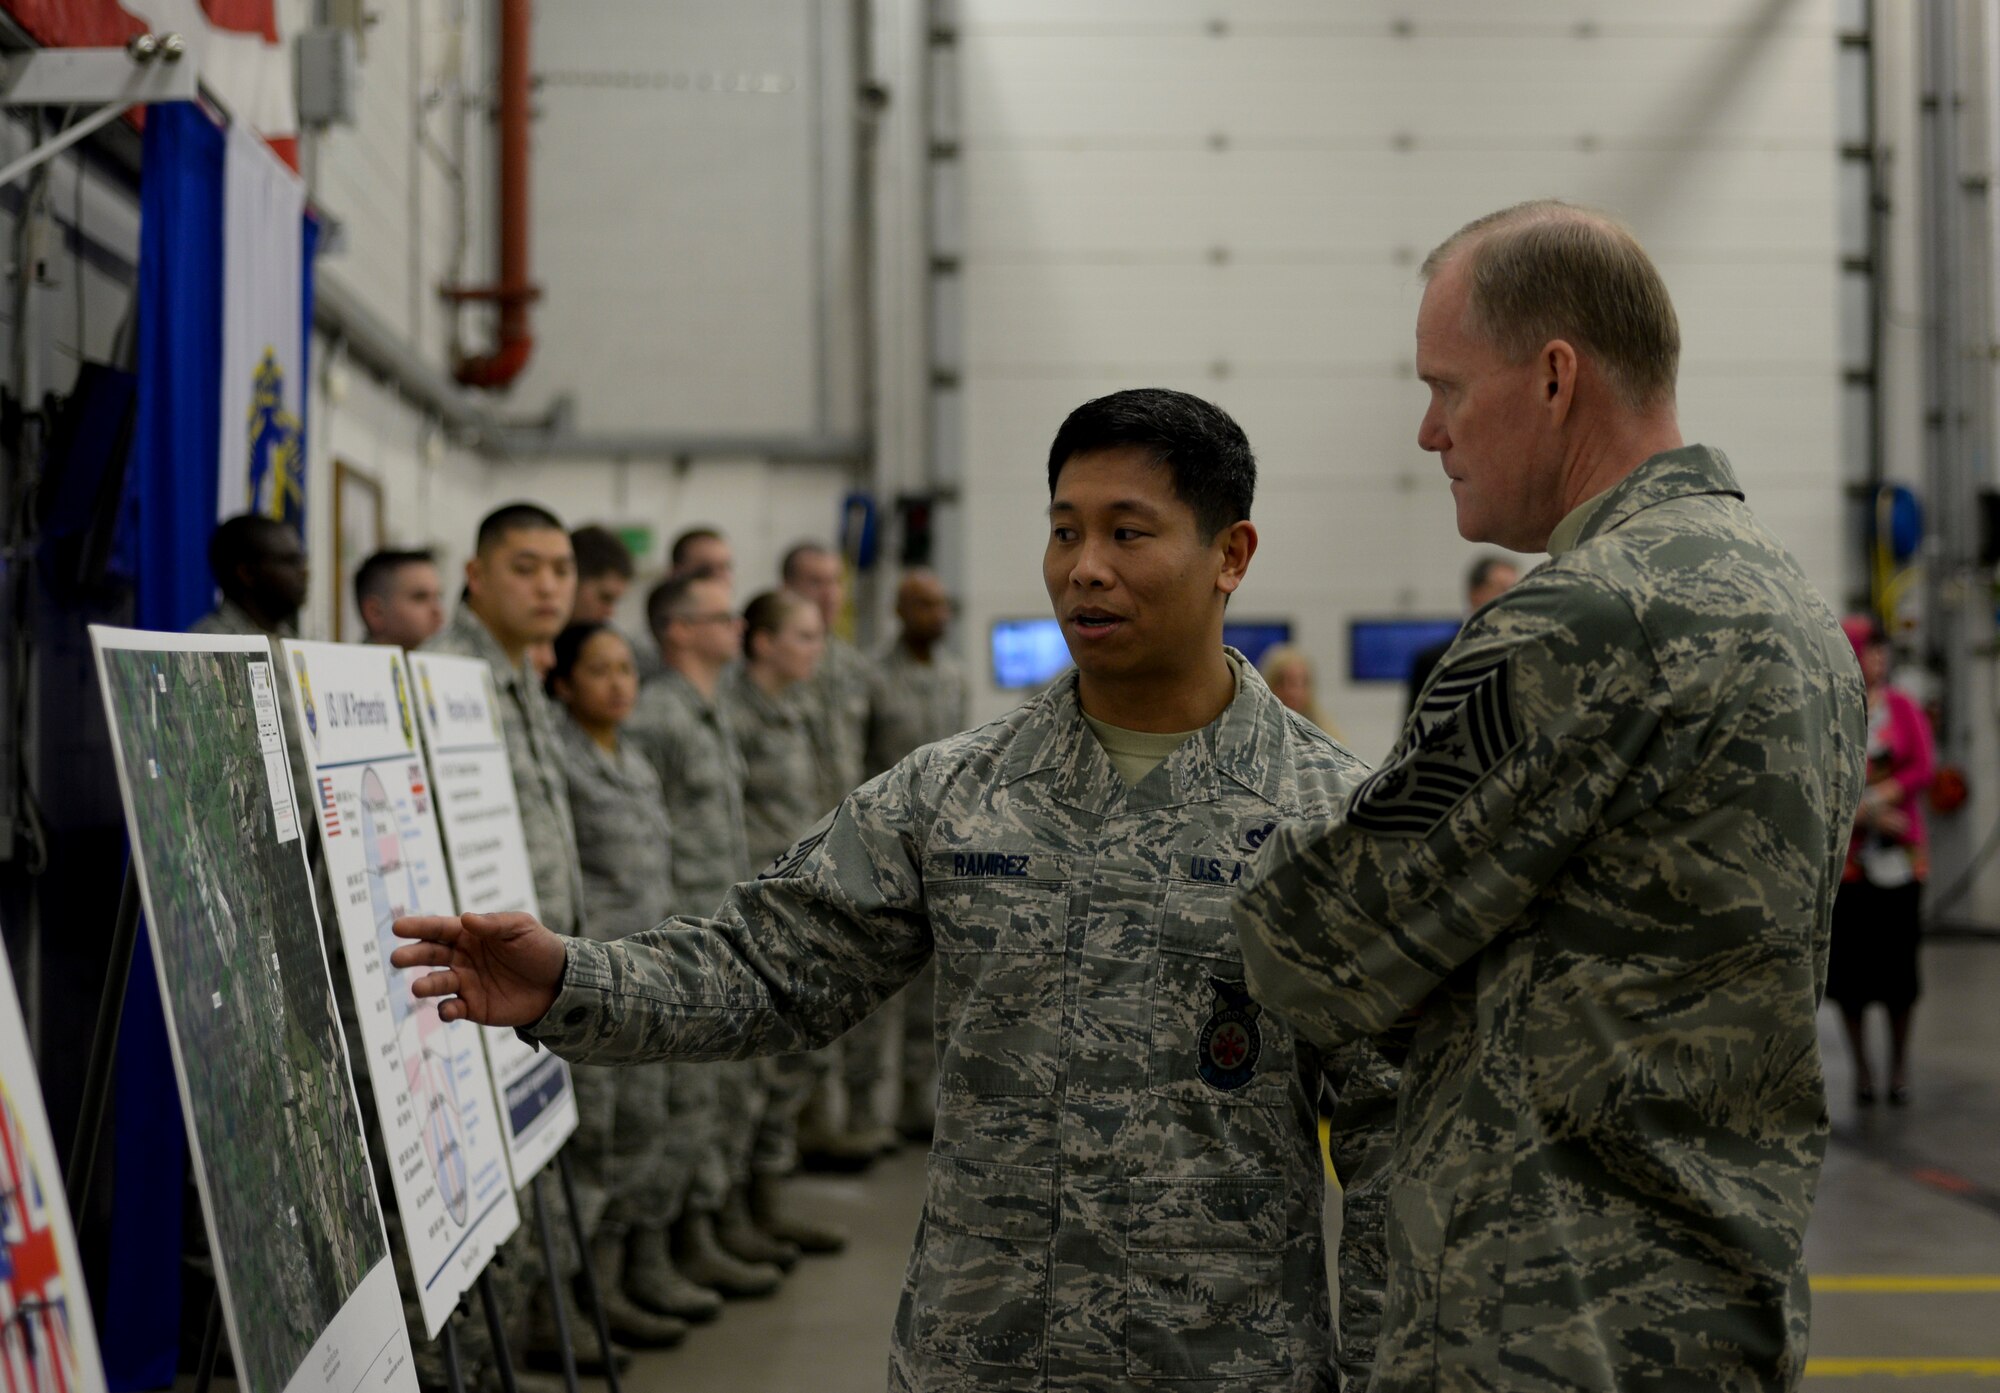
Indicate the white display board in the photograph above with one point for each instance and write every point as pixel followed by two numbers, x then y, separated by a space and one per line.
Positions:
pixel 294 1226
pixel 47 1342
pixel 371 799
pixel 458 708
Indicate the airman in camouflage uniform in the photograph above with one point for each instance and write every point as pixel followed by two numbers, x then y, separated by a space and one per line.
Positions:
pixel 917 698
pixel 1125 1187
pixel 1115 1200
pixel 784 794
pixel 688 740
pixel 529 723
pixel 1593 881
pixel 644 1162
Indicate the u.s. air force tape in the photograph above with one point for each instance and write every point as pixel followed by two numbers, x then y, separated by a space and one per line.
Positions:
pixel 1465 726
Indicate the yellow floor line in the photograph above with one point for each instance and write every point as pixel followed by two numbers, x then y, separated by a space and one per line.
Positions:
pixel 1901 1368
pixel 1884 1283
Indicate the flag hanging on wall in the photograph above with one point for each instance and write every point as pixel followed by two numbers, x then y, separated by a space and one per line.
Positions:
pixel 261 459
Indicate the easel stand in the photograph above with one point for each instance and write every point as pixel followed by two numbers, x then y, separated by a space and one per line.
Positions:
pixel 211 1344
pixel 589 1274
pixel 496 1331
pixel 564 1345
pixel 103 1048
pixel 454 1379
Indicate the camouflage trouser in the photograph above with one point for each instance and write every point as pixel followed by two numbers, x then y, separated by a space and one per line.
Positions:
pixel 789 1080
pixel 871 1056
pixel 593 1157
pixel 733 1094
pixel 654 1147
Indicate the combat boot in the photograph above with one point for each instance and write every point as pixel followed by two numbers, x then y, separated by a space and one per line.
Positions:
pixel 737 1231
pixel 630 1323
pixel 700 1257
pixel 652 1280
pixel 825 1147
pixel 543 1351
pixel 488 1380
pixel 769 1213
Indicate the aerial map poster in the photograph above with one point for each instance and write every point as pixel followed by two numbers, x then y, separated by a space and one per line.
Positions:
pixel 301 1261
pixel 47 1344
pixel 458 708
pixel 370 796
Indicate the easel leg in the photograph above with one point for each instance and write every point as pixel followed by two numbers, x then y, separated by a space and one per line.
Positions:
pixel 103 1047
pixel 453 1377
pixel 563 1343
pixel 496 1330
pixel 211 1344
pixel 589 1276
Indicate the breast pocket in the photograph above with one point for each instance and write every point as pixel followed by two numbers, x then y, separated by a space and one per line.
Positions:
pixel 1000 974
pixel 979 1285
pixel 1210 1042
pixel 1205 1290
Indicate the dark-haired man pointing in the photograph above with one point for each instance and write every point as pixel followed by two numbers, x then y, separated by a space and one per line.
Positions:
pixel 1125 1187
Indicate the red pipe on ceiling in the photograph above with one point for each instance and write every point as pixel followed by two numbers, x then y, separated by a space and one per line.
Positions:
pixel 515 291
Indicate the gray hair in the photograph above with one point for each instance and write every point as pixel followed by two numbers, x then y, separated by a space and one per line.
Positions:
pixel 1552 270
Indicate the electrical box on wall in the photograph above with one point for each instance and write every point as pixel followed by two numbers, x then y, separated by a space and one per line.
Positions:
pixel 329 76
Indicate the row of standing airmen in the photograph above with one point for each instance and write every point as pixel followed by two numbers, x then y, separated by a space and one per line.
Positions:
pixel 652 777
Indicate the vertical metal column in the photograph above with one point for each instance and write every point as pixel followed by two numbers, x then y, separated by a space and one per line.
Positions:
pixel 1958 414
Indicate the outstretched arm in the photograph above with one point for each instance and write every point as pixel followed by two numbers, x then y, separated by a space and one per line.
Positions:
pixel 791 960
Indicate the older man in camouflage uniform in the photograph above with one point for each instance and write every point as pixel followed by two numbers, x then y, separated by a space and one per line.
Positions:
pixel 520 584
pixel 1594 879
pixel 1126 1186
pixel 919 697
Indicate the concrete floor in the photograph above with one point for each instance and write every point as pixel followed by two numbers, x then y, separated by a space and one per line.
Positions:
pixel 1904 1245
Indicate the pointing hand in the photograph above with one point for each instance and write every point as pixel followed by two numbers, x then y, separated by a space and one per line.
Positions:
pixel 496 969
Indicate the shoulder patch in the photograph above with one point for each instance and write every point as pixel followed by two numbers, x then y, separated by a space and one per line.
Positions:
pixel 1465 727
pixel 791 861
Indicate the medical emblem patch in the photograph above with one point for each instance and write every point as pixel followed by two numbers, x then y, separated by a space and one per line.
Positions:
pixel 1231 1040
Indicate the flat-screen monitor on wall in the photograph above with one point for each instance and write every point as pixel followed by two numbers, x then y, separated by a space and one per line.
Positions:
pixel 1381 650
pixel 1031 652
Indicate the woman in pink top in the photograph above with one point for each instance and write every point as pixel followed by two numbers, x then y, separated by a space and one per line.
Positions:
pixel 1875 916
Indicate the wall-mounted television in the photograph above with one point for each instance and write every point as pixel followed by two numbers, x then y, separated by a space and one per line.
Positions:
pixel 1382 650
pixel 1031 652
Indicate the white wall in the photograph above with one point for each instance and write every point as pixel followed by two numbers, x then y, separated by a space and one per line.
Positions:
pixel 1231 197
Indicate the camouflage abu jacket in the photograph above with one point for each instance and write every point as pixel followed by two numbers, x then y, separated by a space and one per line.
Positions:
pixel 912 703
pixel 1599 867
pixel 1126 1186
pixel 528 720
pixel 688 741
pixel 623 838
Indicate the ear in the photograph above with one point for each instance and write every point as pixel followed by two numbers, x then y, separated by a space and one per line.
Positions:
pixel 474 570
pixel 1239 544
pixel 1559 367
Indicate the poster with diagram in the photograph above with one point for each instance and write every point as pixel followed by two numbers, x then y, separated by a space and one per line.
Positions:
pixel 371 801
pixel 458 708
pixel 295 1229
pixel 47 1341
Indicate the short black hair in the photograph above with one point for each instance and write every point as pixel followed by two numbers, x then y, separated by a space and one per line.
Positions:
pixel 600 552
pixel 1199 443
pixel 240 541
pixel 515 517
pixel 798 550
pixel 683 544
pixel 663 599
pixel 374 575
pixel 569 646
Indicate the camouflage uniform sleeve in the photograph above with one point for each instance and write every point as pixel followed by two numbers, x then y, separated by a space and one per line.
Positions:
pixel 791 961
pixel 1361 1137
pixel 1536 717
